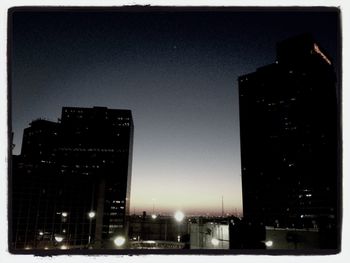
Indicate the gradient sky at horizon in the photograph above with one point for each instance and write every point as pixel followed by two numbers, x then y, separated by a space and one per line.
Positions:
pixel 176 71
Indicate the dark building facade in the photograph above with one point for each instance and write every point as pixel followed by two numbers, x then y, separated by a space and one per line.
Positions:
pixel 289 140
pixel 71 182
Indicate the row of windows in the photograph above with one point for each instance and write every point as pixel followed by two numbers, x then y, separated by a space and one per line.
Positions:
pixel 81 112
pixel 88 149
pixel 117 202
pixel 116 220
pixel 106 118
pixel 73 110
pixel 112 228
pixel 262 100
pixel 91 150
pixel 117 207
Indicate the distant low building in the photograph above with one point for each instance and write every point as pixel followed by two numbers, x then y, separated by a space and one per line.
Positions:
pixel 209 235
pixel 159 228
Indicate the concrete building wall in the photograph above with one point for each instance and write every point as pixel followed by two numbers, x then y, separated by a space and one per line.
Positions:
pixel 209 236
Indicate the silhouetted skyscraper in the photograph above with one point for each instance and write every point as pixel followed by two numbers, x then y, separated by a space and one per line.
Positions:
pixel 290 138
pixel 71 183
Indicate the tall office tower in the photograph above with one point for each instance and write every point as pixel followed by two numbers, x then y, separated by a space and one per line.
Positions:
pixel 71 183
pixel 290 138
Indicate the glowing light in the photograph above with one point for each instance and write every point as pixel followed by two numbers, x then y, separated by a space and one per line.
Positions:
pixel 119 241
pixel 46 248
pixel 179 216
pixel 178 238
pixel 154 216
pixel 64 214
pixel 91 214
pixel 318 51
pixel 41 233
pixel 58 238
pixel 269 243
pixel 215 241
pixel 64 247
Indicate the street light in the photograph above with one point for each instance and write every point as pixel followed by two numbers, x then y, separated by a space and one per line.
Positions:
pixel 179 216
pixel 58 238
pixel 269 243
pixel 91 214
pixel 154 216
pixel 119 241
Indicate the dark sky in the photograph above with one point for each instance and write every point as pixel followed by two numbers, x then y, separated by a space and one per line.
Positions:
pixel 176 71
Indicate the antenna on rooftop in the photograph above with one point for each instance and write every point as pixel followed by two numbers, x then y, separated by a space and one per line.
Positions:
pixel 222 206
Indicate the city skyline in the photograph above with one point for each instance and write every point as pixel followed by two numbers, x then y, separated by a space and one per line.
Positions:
pixel 177 72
